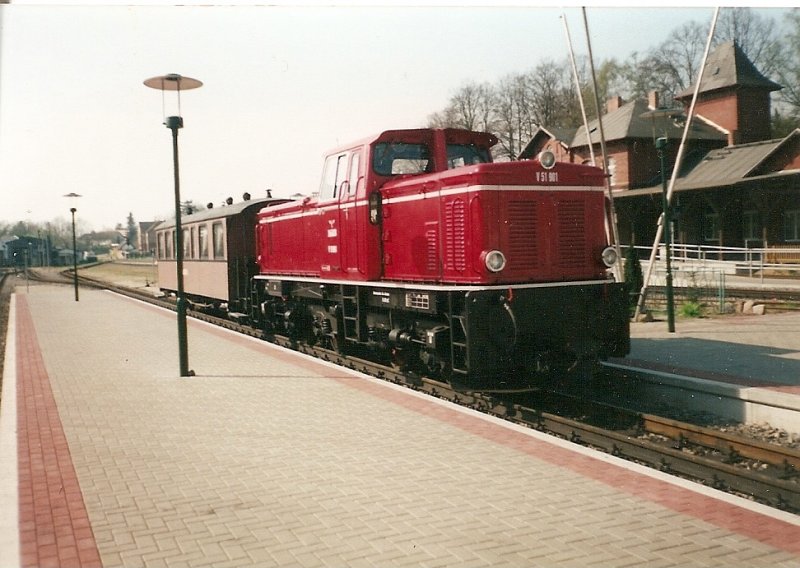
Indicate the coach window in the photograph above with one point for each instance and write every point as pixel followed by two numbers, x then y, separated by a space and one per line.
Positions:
pixel 192 245
pixel 186 243
pixel 219 240
pixel 203 238
pixel 161 252
pixel 170 244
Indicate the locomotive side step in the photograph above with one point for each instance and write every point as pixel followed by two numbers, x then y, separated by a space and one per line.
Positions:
pixel 352 317
pixel 458 345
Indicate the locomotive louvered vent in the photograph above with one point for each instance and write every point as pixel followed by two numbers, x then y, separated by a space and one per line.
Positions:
pixel 432 250
pixel 571 234
pixel 455 252
pixel 522 239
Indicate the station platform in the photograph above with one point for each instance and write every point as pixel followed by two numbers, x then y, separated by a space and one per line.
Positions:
pixel 271 458
pixel 747 349
pixel 742 367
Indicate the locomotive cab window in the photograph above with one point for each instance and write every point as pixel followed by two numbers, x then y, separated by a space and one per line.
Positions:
pixel 398 158
pixel 352 182
pixel 466 155
pixel 333 176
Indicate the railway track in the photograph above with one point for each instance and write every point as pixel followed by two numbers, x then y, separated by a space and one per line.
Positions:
pixel 767 473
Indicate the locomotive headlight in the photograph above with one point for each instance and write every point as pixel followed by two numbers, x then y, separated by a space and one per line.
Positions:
pixel 495 260
pixel 547 159
pixel 609 256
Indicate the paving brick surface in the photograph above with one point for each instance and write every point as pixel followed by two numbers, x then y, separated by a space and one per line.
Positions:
pixel 266 459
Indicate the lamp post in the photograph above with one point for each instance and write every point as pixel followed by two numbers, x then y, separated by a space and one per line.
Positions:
pixel 661 146
pixel 73 201
pixel 177 83
pixel 667 116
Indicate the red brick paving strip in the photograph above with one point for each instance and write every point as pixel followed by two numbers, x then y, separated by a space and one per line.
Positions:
pixel 53 523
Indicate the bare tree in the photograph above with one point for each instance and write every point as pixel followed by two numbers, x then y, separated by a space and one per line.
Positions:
pixel 758 37
pixel 672 66
pixel 470 108
pixel 788 75
pixel 514 107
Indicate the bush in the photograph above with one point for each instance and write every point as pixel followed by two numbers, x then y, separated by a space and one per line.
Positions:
pixel 692 310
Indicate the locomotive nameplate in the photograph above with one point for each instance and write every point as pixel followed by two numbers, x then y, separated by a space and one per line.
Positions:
pixel 416 300
pixel 547 177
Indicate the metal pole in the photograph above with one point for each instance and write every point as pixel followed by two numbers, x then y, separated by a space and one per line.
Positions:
pixel 74 254
pixel 578 89
pixel 612 212
pixel 678 162
pixel 661 145
pixel 174 123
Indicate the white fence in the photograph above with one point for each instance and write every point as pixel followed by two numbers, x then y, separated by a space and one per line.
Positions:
pixel 709 274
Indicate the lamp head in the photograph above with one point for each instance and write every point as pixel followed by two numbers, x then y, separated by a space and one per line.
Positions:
pixel 177 83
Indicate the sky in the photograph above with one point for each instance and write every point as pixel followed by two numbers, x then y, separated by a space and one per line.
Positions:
pixel 281 85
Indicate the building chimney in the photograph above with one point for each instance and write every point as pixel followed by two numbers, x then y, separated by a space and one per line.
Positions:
pixel 614 103
pixel 652 100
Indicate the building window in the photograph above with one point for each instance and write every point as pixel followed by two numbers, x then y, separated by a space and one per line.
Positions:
pixel 791 225
pixel 202 233
pixel 751 226
pixel 218 235
pixel 711 227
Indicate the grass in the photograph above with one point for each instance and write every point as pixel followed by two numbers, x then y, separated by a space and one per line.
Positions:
pixel 130 274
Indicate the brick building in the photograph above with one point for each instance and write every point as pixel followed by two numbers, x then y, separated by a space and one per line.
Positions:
pixel 737 186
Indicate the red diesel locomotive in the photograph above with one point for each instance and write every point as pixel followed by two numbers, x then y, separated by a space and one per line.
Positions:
pixel 420 252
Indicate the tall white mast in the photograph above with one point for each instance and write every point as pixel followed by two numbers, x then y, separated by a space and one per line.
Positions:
pixel 677 167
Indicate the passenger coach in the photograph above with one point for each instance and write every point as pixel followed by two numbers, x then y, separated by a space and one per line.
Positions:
pixel 218 252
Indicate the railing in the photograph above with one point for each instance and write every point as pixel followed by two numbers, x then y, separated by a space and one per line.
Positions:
pixel 732 260
pixel 707 274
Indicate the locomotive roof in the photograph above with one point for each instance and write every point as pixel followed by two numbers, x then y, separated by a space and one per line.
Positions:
pixel 458 133
pixel 219 212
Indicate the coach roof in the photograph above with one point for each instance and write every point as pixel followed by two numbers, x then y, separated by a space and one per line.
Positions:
pixel 217 212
